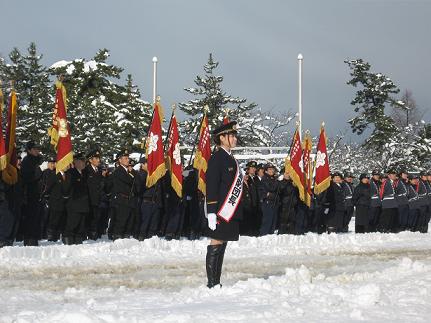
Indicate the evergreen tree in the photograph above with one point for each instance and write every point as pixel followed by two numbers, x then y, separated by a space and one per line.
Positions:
pixel 209 92
pixel 33 88
pixel 374 95
pixel 92 101
pixel 133 116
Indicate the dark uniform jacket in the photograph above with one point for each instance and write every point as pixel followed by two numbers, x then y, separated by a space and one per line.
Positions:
pixel 122 187
pixel 268 190
pixel 422 193
pixel 375 195
pixel 95 185
pixel 348 193
pixel 362 195
pixel 76 186
pixel 57 189
pixel 413 197
pixel 220 175
pixel 31 177
pixel 336 198
pixel 387 194
pixel 401 191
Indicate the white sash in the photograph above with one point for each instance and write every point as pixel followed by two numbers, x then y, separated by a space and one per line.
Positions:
pixel 233 198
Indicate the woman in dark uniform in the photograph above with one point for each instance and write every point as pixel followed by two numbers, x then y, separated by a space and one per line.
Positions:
pixel 224 190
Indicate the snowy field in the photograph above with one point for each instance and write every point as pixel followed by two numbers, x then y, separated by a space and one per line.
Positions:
pixel 327 278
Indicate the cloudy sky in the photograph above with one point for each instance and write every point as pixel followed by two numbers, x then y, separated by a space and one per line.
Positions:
pixel 256 43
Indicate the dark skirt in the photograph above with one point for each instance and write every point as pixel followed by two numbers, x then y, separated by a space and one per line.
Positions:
pixel 224 231
pixel 362 216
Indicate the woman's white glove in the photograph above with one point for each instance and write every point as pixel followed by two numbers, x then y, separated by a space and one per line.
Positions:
pixel 326 211
pixel 212 221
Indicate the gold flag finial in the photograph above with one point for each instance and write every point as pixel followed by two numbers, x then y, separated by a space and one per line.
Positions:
pixel 174 106
pixel 206 108
pixel 158 98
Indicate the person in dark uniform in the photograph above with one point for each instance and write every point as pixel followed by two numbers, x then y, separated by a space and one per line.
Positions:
pixel 192 223
pixel 150 206
pixel 423 198
pixel 57 190
pixel 224 182
pixel 95 178
pixel 134 222
pixel 362 200
pixel 32 208
pixel 401 192
pixel 389 205
pixel 336 208
pixel 348 194
pixel 77 205
pixel 414 203
pixel 6 218
pixel 376 202
pixel 123 183
pixel 44 195
pixel 289 195
pixel 250 223
pixel 268 197
pixel 15 197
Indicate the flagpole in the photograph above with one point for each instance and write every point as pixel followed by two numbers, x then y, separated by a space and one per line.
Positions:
pixel 300 59
pixel 169 128
pixel 154 79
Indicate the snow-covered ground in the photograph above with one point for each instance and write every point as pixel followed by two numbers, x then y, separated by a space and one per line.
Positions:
pixel 327 278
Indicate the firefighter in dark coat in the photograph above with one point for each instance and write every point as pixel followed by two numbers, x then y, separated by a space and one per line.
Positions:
pixel 424 191
pixel 77 205
pixel 224 189
pixel 95 177
pixel 32 208
pixel 414 203
pixel 123 183
pixel 250 223
pixel 268 198
pixel 289 196
pixel 401 192
pixel 388 217
pixel 362 200
pixel 150 206
pixel 348 194
pixel 336 204
pixel 46 174
pixel 57 189
pixel 376 202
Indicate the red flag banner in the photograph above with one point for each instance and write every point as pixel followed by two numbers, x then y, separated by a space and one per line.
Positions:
pixel 60 94
pixel 322 178
pixel 174 157
pixel 203 154
pixel 154 152
pixel 10 173
pixel 307 168
pixel 64 142
pixel 295 165
pixel 3 153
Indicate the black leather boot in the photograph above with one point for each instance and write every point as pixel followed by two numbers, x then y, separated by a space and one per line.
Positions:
pixel 31 242
pixel 220 261
pixel 212 264
pixel 68 240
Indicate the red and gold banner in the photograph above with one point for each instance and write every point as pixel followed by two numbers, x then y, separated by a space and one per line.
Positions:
pixel 60 94
pixel 295 166
pixel 308 170
pixel 10 173
pixel 154 151
pixel 64 142
pixel 3 153
pixel 174 157
pixel 322 178
pixel 203 154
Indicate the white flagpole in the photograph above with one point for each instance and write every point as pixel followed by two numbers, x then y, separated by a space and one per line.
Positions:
pixel 154 79
pixel 300 58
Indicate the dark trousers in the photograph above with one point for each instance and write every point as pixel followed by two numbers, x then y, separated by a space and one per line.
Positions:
pixel 360 228
pixel 413 218
pixel 386 221
pixel 120 218
pixel 348 213
pixel 94 220
pixel 374 218
pixel 104 220
pixel 31 221
pixel 56 222
pixel 175 221
pixel 75 224
pixel 150 217
pixel 6 222
pixel 403 216
pixel 269 213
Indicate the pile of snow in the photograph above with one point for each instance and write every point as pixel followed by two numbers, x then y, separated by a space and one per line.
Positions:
pixel 311 278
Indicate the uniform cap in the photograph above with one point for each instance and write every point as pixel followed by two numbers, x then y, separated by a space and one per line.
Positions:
pixel 230 127
pixel 363 175
pixel 79 155
pixel 93 153
pixel 31 144
pixel 123 152
pixel 251 163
